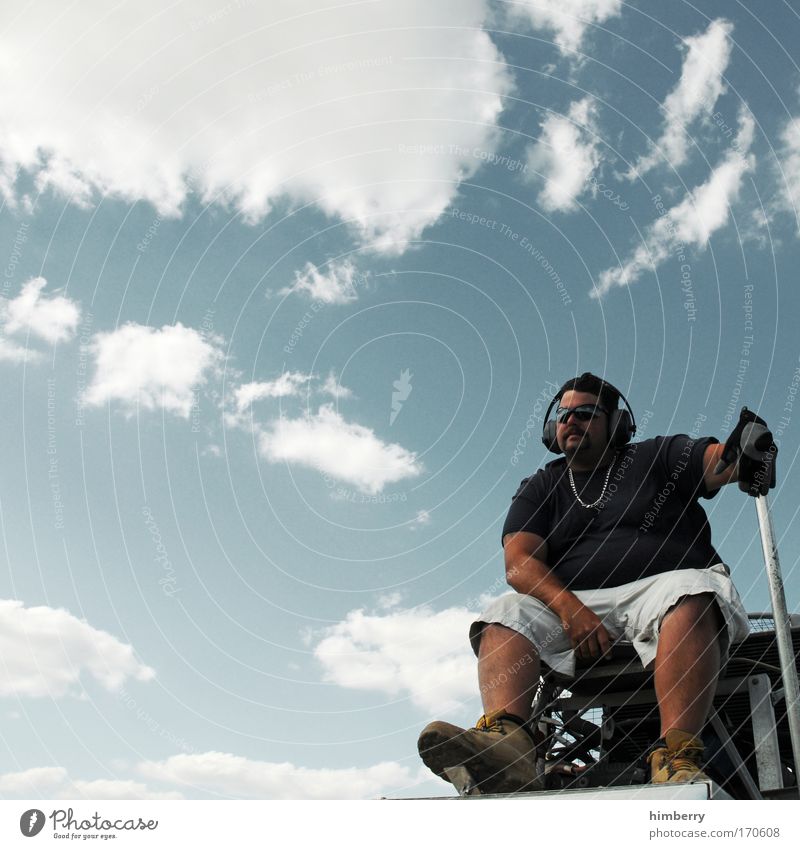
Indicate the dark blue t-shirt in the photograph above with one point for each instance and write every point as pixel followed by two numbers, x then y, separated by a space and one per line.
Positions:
pixel 648 521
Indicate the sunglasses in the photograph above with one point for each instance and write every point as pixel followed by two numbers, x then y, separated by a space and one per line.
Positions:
pixel 583 412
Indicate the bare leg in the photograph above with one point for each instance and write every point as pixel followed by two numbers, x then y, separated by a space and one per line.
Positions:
pixel 687 663
pixel 508 671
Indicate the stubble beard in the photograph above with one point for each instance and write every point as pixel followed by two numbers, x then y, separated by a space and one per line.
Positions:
pixel 583 444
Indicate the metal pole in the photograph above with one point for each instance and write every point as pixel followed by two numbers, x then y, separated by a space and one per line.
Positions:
pixel 783 632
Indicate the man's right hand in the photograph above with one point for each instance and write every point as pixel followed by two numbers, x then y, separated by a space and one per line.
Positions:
pixel 583 626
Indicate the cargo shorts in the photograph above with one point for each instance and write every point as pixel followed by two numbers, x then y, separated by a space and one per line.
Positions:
pixel 630 613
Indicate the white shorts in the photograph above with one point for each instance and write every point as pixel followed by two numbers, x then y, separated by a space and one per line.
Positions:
pixel 631 613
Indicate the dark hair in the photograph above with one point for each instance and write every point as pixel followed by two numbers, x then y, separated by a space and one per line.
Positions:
pixel 588 382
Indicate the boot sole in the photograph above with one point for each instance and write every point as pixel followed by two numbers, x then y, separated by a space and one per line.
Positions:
pixel 439 751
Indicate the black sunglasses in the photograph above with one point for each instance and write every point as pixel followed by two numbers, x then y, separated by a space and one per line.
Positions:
pixel 583 412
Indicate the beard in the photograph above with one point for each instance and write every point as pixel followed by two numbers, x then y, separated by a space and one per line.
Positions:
pixel 582 442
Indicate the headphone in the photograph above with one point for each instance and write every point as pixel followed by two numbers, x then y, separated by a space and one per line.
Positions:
pixel 621 423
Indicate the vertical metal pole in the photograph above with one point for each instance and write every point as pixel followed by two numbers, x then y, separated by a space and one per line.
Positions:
pixel 783 632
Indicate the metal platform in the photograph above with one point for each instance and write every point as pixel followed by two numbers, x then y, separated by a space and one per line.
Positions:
pixel 692 791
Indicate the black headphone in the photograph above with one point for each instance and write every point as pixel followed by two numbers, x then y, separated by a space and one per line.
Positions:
pixel 621 423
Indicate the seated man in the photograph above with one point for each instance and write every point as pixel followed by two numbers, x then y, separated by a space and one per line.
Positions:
pixel 606 543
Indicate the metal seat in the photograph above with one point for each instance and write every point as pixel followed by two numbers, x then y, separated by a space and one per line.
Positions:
pixel 598 725
pixel 621 671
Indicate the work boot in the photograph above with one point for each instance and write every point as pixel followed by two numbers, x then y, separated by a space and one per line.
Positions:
pixel 678 758
pixel 500 752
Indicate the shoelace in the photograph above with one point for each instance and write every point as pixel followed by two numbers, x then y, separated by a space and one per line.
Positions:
pixel 687 757
pixel 485 725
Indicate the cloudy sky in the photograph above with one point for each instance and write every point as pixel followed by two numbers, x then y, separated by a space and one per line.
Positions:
pixel 286 289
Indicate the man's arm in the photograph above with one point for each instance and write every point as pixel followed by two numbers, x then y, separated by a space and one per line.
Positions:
pixel 748 456
pixel 527 572
pixel 710 459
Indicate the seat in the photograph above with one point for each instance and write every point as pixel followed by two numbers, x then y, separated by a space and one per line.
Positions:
pixel 598 725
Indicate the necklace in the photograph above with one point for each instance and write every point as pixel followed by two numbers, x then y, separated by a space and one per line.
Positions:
pixel 605 486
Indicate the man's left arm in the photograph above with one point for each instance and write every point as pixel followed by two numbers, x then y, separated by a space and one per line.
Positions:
pixel 711 457
pixel 748 456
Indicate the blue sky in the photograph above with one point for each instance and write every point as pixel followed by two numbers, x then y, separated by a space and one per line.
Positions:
pixel 285 295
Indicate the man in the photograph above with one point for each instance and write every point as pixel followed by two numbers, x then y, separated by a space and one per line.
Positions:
pixel 606 543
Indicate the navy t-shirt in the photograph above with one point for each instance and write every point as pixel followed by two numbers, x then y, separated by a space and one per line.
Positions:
pixel 648 521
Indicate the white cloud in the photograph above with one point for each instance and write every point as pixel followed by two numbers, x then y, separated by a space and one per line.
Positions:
pixel 422 518
pixel 567 19
pixel 344 450
pixel 32 783
pixel 55 783
pixel 45 651
pixel 11 352
pixel 565 155
pixel 288 384
pixel 695 94
pixel 113 788
pixel 317 101
pixel 418 653
pixel 53 318
pixel 141 366
pixel 220 774
pixel 332 387
pixel 333 285
pixel 243 778
pixel 694 220
pixel 389 600
pixel 789 170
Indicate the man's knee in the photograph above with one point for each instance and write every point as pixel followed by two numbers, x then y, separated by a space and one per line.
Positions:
pixel 516 614
pixel 698 609
pixel 492 637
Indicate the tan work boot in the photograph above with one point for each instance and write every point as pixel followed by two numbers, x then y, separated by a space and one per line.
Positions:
pixel 680 760
pixel 499 752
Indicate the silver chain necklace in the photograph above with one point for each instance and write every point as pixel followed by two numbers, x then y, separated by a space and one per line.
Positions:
pixel 605 486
